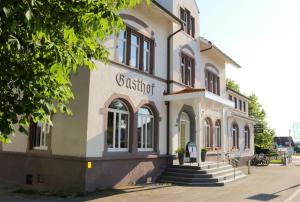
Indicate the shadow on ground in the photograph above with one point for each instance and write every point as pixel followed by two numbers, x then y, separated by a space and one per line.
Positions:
pixel 268 197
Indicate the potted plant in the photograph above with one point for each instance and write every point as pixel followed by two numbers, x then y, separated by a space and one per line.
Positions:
pixel 203 154
pixel 180 151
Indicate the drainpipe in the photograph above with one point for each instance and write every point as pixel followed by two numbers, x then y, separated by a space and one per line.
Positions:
pixel 168 83
pixel 211 46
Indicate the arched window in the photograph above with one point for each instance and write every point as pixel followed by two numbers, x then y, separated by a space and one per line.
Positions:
pixel 235 136
pixel 118 126
pixel 145 129
pixel 208 142
pixel 218 134
pixel 247 137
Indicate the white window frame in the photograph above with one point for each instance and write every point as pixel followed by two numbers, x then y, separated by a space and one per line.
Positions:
pixel 124 41
pixel 190 73
pixel 207 136
pixel 218 141
pixel 144 143
pixel 247 137
pixel 148 53
pixel 43 140
pixel 235 133
pixel 120 112
pixel 137 46
pixel 182 70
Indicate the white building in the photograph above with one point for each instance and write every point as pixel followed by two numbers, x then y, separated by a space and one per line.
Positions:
pixel 163 87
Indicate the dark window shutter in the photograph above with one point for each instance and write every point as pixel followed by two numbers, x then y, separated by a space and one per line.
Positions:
pixel 152 56
pixel 128 45
pixel 141 58
pixel 193 72
pixel 32 134
pixel 218 85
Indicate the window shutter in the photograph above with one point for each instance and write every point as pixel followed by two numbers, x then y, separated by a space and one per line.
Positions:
pixel 141 54
pixel 32 134
pixel 152 56
pixel 193 73
pixel 128 45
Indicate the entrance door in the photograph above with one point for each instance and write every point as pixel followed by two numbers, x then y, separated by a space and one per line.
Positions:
pixel 184 137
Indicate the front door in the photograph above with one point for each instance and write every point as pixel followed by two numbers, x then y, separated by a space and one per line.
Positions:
pixel 184 137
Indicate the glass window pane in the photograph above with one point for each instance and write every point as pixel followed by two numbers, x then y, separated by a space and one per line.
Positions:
pixel 124 131
pixel 117 127
pixel 117 104
pixel 140 131
pixel 150 132
pixel 134 52
pixel 146 56
pixel 144 111
pixel 122 47
pixel 110 129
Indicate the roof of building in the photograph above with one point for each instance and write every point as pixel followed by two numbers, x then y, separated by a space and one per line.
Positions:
pixel 284 141
pixel 187 90
pixel 229 59
pixel 166 11
pixel 240 94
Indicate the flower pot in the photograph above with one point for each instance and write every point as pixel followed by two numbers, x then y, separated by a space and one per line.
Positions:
pixel 181 158
pixel 203 156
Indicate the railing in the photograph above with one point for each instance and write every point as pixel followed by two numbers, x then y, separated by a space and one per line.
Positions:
pixel 234 162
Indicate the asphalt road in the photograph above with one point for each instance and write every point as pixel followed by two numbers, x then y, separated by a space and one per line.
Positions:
pixel 272 183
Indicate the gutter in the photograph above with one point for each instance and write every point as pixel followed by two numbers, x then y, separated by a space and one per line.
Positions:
pixel 211 46
pixel 168 67
pixel 168 84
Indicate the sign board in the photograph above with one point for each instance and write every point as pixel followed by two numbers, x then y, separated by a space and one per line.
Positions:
pixel 258 126
pixel 296 130
pixel 192 151
pixel 258 130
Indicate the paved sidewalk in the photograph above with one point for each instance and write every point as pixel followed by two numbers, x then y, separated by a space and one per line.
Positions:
pixel 272 183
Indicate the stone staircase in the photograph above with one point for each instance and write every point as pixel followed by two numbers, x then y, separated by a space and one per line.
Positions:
pixel 206 174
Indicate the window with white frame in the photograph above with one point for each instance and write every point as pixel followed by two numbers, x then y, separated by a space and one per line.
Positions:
pixel 235 136
pixel 207 132
pixel 118 126
pixel 247 137
pixel 39 134
pixel 145 129
pixel 134 50
pixel 187 68
pixel 122 47
pixel 218 133
pixel 146 61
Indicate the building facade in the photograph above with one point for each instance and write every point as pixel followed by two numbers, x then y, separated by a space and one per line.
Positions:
pixel 164 86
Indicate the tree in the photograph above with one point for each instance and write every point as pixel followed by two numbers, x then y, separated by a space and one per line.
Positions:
pixel 232 85
pixel 41 44
pixel 262 140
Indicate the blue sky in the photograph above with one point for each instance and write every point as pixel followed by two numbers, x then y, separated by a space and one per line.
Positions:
pixel 263 36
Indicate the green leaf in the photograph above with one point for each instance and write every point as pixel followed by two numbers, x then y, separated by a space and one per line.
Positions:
pixel 28 14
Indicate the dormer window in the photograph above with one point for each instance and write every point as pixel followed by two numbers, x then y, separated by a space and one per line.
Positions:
pixel 212 82
pixel 188 21
pixel 136 50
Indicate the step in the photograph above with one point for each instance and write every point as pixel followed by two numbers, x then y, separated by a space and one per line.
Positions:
pixel 212 165
pixel 188 179
pixel 229 176
pixel 181 174
pixel 186 167
pixel 213 184
pixel 182 170
pixel 220 168
pixel 239 177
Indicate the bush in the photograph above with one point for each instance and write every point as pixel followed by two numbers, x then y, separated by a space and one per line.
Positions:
pixel 297 150
pixel 180 150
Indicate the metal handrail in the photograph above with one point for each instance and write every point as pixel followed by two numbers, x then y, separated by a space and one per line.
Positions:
pixel 234 162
